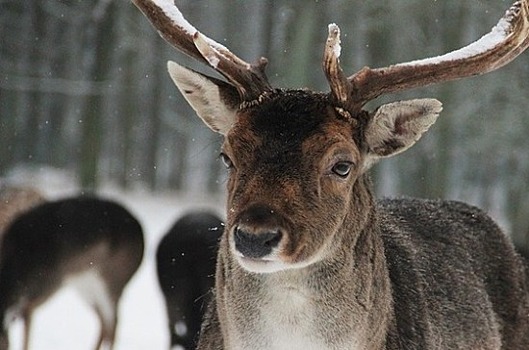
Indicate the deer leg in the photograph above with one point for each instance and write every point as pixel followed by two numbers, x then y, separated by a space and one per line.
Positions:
pixel 107 334
pixel 94 289
pixel 105 305
pixel 27 317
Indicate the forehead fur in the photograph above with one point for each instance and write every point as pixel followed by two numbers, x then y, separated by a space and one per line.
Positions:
pixel 275 131
pixel 291 114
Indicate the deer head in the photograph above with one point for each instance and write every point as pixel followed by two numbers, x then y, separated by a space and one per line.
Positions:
pixel 297 159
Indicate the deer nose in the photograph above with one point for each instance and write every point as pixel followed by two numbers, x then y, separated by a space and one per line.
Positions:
pixel 256 245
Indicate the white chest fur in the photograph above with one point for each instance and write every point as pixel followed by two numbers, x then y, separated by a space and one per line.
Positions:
pixel 290 318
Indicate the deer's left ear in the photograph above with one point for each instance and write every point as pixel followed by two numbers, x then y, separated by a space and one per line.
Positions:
pixel 215 101
pixel 396 126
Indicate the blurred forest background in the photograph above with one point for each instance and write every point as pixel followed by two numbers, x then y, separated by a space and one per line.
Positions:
pixel 84 88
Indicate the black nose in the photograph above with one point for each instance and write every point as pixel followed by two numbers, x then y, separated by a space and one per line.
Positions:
pixel 256 245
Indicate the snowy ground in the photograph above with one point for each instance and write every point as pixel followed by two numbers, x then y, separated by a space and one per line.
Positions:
pixel 65 322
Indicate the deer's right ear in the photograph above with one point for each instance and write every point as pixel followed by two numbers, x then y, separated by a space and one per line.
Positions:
pixel 215 101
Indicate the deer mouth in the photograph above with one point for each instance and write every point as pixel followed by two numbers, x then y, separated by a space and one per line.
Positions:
pixel 268 264
pixel 273 262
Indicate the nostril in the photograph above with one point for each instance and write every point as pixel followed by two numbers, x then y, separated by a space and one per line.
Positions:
pixel 272 239
pixel 256 245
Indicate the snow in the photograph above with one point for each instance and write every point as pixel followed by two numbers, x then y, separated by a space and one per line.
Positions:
pixel 334 35
pixel 206 50
pixel 487 42
pixel 169 8
pixel 65 322
pixel 174 14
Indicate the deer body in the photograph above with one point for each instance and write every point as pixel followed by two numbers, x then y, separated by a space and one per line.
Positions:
pixel 308 258
pixel 91 244
pixel 185 263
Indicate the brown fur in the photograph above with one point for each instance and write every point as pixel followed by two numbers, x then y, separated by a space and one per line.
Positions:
pixel 15 200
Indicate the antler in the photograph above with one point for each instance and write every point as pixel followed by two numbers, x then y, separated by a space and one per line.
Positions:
pixel 506 41
pixel 249 79
pixel 340 86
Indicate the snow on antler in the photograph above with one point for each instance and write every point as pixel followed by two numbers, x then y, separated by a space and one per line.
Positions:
pixel 177 18
pixel 487 42
pixel 172 12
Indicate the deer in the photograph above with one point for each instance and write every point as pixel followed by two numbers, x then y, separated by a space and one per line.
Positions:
pixel 94 245
pixel 309 258
pixel 186 262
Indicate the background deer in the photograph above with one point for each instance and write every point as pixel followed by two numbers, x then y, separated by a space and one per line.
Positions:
pixel 309 259
pixel 93 244
pixel 185 261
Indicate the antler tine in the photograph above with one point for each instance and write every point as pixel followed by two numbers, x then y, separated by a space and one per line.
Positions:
pixel 506 41
pixel 340 86
pixel 249 79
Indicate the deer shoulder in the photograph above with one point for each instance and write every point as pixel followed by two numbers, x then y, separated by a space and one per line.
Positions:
pixel 445 256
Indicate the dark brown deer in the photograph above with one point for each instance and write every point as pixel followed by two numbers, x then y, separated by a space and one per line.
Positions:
pixel 185 262
pixel 309 259
pixel 93 244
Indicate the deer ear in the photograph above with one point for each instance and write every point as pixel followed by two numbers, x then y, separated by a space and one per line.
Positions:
pixel 396 126
pixel 215 101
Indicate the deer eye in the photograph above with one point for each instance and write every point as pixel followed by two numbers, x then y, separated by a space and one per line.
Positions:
pixel 342 168
pixel 226 160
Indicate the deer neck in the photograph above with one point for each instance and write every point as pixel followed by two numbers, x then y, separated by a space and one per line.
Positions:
pixel 341 302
